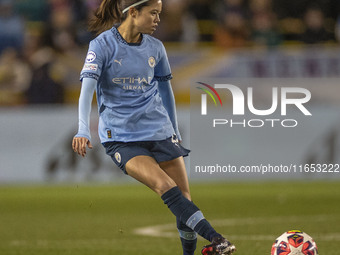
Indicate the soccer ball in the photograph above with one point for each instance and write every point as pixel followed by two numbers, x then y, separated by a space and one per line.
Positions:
pixel 294 242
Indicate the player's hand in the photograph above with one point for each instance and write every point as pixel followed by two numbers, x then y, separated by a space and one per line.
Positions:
pixel 79 145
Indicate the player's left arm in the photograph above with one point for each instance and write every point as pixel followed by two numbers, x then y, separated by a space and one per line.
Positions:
pixel 163 76
pixel 168 98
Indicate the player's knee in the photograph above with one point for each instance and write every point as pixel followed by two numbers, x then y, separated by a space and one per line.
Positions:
pixel 164 186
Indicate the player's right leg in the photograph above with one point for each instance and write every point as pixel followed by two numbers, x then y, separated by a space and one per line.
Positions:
pixel 176 170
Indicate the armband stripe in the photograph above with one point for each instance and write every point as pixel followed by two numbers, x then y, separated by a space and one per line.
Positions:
pixel 89 75
pixel 163 78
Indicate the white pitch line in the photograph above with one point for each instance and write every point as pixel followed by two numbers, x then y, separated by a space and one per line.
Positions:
pixel 170 231
pixel 156 231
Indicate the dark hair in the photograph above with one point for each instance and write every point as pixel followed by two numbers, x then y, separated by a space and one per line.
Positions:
pixel 110 12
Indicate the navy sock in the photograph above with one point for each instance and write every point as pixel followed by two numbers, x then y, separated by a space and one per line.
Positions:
pixel 188 213
pixel 188 238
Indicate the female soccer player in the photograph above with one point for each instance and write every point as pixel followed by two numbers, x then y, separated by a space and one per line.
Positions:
pixel 130 72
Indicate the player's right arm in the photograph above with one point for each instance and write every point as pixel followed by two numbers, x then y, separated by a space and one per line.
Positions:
pixel 89 77
pixel 83 137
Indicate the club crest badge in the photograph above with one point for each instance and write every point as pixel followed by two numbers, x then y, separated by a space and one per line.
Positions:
pixel 152 62
pixel 118 157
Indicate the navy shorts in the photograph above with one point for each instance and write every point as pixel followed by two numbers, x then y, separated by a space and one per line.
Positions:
pixel 163 150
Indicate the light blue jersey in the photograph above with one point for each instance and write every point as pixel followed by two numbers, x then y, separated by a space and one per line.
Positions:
pixel 130 106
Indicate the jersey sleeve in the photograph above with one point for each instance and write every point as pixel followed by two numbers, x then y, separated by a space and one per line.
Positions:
pixel 162 69
pixel 94 61
pixel 168 100
pixel 84 109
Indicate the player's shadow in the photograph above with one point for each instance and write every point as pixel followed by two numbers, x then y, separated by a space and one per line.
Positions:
pixel 325 149
pixel 63 164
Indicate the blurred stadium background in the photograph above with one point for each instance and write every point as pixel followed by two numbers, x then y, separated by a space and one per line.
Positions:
pixel 258 43
pixel 253 42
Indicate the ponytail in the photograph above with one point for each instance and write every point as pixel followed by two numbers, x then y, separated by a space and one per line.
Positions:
pixel 108 14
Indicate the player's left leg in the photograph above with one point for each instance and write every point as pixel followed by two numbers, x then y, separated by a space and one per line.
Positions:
pixel 175 169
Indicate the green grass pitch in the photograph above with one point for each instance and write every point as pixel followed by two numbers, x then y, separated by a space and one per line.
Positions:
pixel 105 219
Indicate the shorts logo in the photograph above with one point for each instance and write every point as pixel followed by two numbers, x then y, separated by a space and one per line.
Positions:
pixel 118 157
pixel 90 67
pixel 174 139
pixel 91 56
pixel 152 62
